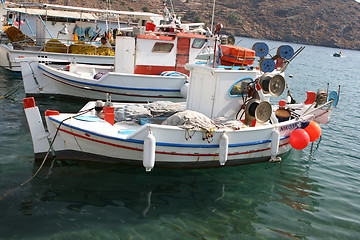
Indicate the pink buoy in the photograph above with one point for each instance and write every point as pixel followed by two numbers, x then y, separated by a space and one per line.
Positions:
pixel 314 131
pixel 21 22
pixel 16 23
pixel 299 139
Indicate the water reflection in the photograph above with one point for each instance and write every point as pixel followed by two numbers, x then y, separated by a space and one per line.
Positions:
pixel 193 203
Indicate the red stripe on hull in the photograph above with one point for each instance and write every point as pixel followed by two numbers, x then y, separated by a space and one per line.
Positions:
pixel 167 153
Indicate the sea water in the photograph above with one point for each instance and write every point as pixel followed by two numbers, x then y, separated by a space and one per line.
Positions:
pixel 311 194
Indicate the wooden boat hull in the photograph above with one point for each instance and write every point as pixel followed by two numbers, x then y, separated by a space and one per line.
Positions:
pixel 77 140
pixel 50 81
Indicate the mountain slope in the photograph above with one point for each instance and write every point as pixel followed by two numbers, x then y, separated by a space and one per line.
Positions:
pixel 332 23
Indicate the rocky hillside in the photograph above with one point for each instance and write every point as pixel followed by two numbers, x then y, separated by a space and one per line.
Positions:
pixel 332 23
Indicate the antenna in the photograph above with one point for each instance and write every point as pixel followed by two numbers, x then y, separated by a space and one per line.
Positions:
pixel 212 18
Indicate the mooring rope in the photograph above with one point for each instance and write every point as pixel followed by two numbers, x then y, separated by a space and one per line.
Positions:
pixel 12 91
pixel 46 156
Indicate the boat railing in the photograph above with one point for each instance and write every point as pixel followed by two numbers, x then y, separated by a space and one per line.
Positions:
pixel 60 46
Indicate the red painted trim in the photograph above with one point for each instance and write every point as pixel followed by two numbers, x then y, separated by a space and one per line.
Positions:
pixel 182 54
pixel 190 35
pixel 29 102
pixel 152 70
pixel 155 37
pixel 98 141
pixel 51 113
pixel 167 153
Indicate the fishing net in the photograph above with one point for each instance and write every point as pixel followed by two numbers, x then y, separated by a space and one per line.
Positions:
pixel 164 108
pixel 223 122
pixel 82 48
pixel 54 45
pixel 134 112
pixel 189 119
pixel 105 51
pixel 15 35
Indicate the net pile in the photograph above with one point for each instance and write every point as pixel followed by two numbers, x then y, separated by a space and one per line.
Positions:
pixel 15 35
pixel 55 46
pixel 82 48
pixel 223 122
pixel 133 112
pixel 189 119
pixel 176 116
pixel 105 51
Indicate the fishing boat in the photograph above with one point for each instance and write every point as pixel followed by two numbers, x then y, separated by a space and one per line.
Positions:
pixel 148 67
pixel 66 32
pixel 227 119
pixel 337 54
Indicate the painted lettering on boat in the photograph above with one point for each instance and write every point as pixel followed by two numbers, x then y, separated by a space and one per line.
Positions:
pixel 288 127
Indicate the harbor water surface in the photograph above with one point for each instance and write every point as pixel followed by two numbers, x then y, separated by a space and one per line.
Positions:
pixel 312 194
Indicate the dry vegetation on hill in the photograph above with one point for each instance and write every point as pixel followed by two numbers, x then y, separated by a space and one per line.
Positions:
pixel 333 23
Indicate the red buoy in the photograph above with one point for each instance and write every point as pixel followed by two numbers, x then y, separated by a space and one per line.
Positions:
pixel 314 131
pixel 299 138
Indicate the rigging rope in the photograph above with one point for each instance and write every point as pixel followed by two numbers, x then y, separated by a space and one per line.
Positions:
pixel 44 160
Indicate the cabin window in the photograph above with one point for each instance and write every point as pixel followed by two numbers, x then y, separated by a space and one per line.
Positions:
pixel 242 87
pixel 163 47
pixel 198 43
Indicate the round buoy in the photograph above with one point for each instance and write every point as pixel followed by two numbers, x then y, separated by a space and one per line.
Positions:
pixel 184 89
pixel 299 138
pixel 313 129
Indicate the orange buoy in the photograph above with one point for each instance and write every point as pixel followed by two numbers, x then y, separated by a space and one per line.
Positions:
pixel 234 55
pixel 313 129
pixel 299 139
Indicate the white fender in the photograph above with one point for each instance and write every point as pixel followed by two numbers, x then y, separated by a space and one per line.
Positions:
pixel 223 149
pixel 38 134
pixel 149 152
pixel 184 89
pixel 275 141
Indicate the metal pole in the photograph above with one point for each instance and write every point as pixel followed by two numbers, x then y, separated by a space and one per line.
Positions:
pixel 212 19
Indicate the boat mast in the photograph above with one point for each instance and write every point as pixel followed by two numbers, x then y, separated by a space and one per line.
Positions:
pixel 212 19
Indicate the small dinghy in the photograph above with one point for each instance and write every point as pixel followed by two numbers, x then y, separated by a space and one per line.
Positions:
pixel 337 54
pixel 227 119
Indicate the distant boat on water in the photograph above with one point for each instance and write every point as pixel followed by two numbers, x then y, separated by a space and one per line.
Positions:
pixel 337 54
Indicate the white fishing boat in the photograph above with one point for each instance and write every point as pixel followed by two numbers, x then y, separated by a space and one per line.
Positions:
pixel 65 32
pixel 147 67
pixel 227 120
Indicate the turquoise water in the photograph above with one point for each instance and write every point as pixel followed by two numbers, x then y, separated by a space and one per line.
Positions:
pixel 311 194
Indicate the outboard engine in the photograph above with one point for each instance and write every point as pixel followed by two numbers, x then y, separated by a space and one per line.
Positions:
pixel 321 97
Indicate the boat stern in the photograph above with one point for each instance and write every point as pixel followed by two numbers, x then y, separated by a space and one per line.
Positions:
pixel 38 134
